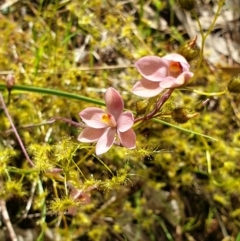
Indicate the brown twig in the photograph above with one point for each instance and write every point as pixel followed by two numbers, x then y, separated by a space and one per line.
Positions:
pixel 49 122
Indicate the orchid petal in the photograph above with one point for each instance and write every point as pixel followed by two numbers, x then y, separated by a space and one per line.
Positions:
pixel 152 68
pixel 92 116
pixel 183 78
pixel 171 82
pixel 146 88
pixel 105 142
pixel 89 134
pixel 168 82
pixel 176 58
pixel 125 121
pixel 128 138
pixel 185 67
pixel 114 102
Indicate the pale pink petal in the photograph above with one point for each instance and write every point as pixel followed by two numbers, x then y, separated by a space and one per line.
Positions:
pixel 169 82
pixel 106 141
pixel 185 67
pixel 146 88
pixel 152 68
pixel 176 58
pixel 90 134
pixel 183 78
pixel 92 116
pixel 128 138
pixel 114 102
pixel 125 121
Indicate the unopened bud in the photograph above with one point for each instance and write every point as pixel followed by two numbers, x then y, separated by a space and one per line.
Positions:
pixel 187 4
pixel 10 81
pixel 141 106
pixel 181 115
pixel 199 106
pixel 189 50
pixel 234 85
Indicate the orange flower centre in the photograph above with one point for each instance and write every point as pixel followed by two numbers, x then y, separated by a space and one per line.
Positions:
pixel 175 69
pixel 109 120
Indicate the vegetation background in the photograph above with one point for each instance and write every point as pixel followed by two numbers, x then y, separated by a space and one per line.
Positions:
pixel 183 180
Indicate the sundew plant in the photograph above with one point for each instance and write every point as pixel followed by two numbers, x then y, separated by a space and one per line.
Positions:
pixel 115 124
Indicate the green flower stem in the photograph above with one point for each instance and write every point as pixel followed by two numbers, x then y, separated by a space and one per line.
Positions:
pixel 40 90
pixel 204 36
pixel 21 171
pixel 184 129
pixel 104 164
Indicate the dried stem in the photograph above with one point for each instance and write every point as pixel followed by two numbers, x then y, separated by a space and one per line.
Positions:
pixel 29 202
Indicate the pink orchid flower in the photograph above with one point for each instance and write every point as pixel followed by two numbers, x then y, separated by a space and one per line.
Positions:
pixel 170 71
pixel 103 127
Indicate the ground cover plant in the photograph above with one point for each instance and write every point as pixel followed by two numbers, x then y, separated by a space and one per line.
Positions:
pixel 119 120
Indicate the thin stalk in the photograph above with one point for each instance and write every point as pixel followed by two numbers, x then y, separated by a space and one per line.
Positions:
pixel 43 212
pixel 7 221
pixel 158 106
pixel 49 122
pixel 204 36
pixel 15 131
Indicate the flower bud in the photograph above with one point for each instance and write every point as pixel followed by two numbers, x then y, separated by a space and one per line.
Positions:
pixel 199 106
pixel 141 106
pixel 181 115
pixel 187 4
pixel 10 81
pixel 234 85
pixel 189 50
